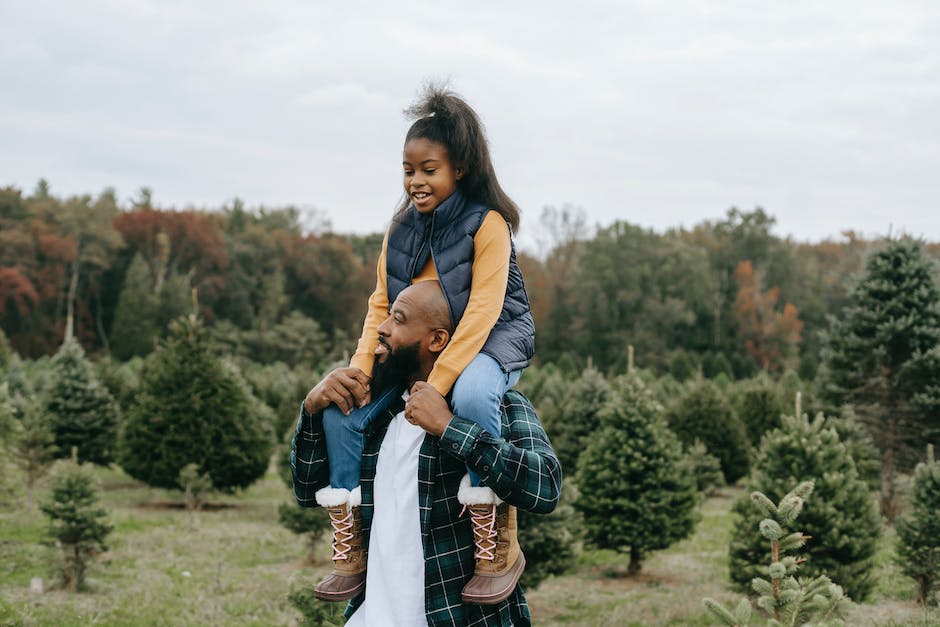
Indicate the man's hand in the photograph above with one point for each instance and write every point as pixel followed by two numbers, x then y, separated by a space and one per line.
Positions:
pixel 427 409
pixel 347 387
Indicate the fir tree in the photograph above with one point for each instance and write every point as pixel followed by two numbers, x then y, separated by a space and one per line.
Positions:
pixel 635 493
pixel 842 519
pixel 759 404
pixel 33 447
pixel 883 356
pixel 81 411
pixel 703 412
pixel 784 599
pixel 919 530
pixel 75 521
pixel 705 467
pixel 860 445
pixel 192 408
pixel 135 327
pixel 570 421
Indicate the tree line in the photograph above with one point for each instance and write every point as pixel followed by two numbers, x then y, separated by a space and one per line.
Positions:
pixel 725 296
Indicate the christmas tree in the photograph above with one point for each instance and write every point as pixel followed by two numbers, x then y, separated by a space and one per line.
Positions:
pixel 81 411
pixel 192 408
pixel 75 521
pixel 842 518
pixel 919 530
pixel 883 356
pixel 783 598
pixel 635 492
pixel 702 412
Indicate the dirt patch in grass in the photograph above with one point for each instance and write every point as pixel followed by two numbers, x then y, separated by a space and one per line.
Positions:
pixel 619 579
pixel 152 506
pixel 108 486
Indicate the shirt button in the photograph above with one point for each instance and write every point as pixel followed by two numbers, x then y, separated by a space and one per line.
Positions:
pixel 455 445
pixel 485 468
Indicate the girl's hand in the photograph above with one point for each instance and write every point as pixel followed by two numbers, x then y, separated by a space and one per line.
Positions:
pixel 427 408
pixel 348 388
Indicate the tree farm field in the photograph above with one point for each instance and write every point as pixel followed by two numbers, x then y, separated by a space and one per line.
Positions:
pixel 233 564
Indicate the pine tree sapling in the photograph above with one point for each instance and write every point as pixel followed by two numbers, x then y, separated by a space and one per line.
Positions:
pixel 76 522
pixel 784 599
pixel 702 412
pixel 574 420
pixel 919 530
pixel 315 613
pixel 81 410
pixel 842 518
pixel 705 467
pixel 635 493
pixel 759 404
pixel 33 446
pixel 861 446
pixel 196 486
pixel 192 408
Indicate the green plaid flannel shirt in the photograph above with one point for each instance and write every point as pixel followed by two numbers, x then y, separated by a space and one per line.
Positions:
pixel 520 467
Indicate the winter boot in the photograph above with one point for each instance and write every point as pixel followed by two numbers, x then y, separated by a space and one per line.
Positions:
pixel 349 564
pixel 499 560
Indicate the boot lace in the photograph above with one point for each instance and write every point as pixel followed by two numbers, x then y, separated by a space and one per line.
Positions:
pixel 484 532
pixel 342 534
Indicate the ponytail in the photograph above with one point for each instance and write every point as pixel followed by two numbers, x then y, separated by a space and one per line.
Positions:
pixel 444 117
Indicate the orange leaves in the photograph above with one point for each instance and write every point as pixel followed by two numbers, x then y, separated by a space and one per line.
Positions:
pixel 196 243
pixel 17 290
pixel 770 337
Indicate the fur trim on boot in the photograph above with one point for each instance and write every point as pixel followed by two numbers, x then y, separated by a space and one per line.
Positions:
pixel 331 497
pixel 476 495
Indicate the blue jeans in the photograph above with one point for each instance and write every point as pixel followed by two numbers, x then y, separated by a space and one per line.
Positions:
pixel 476 396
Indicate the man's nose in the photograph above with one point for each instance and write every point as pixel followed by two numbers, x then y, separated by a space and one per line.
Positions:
pixel 381 328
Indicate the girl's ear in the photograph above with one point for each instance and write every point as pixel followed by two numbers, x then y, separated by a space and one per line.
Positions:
pixel 459 172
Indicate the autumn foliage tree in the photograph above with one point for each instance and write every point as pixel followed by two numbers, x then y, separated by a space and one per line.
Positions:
pixel 770 337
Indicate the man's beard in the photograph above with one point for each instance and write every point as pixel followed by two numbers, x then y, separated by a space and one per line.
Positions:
pixel 398 368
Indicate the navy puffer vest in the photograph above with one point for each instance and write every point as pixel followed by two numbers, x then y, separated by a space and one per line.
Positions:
pixel 446 236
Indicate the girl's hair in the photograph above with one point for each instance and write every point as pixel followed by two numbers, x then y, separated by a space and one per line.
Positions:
pixel 442 116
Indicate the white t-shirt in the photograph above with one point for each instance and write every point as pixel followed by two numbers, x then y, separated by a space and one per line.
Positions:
pixel 395 575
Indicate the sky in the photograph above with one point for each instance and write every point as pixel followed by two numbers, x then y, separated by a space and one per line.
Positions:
pixel 659 113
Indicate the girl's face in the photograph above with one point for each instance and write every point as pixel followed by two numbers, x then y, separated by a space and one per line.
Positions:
pixel 430 177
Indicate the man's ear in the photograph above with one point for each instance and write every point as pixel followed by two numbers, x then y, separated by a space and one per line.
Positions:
pixel 438 339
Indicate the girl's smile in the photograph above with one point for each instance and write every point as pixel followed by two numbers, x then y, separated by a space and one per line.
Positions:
pixel 429 176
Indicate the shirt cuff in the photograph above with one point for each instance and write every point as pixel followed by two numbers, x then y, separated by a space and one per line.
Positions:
pixel 309 426
pixel 460 437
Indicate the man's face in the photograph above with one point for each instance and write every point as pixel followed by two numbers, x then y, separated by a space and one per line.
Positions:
pixel 402 338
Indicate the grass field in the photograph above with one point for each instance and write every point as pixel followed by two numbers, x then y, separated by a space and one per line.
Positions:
pixel 235 564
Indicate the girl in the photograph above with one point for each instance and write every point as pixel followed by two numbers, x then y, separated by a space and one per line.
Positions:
pixel 454 225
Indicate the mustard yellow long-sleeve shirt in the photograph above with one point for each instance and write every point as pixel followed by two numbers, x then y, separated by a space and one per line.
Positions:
pixel 490 274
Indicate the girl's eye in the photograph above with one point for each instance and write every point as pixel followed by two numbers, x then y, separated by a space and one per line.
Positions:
pixel 409 173
pixel 430 172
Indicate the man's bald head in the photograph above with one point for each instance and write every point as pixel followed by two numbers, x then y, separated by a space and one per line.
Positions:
pixel 417 330
pixel 428 298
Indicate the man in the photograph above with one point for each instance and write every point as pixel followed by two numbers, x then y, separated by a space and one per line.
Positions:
pixel 421 551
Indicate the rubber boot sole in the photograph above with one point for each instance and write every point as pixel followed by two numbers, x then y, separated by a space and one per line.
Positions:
pixel 509 580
